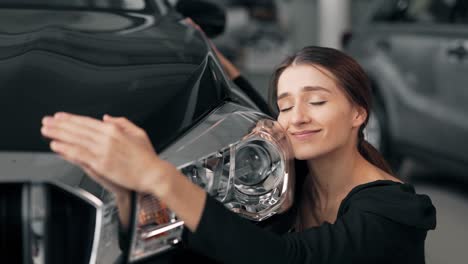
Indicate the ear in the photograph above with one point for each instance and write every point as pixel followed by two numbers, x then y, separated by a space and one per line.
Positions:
pixel 359 116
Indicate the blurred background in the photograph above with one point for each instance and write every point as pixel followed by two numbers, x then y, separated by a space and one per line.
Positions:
pixel 416 55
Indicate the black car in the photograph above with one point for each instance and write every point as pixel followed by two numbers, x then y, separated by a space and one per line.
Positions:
pixel 136 59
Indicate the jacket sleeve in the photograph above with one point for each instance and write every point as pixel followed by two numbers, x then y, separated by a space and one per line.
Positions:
pixel 356 237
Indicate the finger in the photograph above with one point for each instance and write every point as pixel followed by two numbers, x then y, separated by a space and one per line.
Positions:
pixel 110 186
pixel 71 134
pixel 75 123
pixel 98 178
pixel 86 126
pixel 188 20
pixel 107 184
pixel 191 22
pixel 74 153
pixel 90 172
pixel 82 121
pixel 124 124
pixel 121 121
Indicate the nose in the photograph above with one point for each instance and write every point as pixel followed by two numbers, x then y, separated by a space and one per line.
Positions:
pixel 299 115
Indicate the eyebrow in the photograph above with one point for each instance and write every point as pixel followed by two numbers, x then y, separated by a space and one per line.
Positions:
pixel 304 89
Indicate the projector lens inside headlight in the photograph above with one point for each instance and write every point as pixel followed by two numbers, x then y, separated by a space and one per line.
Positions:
pixel 253 163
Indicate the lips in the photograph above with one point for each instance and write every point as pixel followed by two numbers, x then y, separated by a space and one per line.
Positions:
pixel 305 134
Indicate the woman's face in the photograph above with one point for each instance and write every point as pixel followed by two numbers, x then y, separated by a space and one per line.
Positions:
pixel 315 112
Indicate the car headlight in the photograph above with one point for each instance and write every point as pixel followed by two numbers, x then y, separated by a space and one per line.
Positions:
pixel 240 157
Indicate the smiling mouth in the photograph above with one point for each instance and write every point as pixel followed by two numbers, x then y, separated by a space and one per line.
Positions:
pixel 305 134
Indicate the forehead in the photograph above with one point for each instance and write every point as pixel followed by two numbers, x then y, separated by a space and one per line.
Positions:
pixel 295 77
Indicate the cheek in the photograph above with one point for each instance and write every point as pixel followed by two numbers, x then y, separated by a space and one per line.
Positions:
pixel 282 121
pixel 332 115
pixel 338 123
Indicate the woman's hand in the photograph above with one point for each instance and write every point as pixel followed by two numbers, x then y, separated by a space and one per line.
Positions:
pixel 119 155
pixel 115 152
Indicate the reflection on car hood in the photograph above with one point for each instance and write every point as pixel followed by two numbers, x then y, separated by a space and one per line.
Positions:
pixel 127 64
pixel 36 20
pixel 100 38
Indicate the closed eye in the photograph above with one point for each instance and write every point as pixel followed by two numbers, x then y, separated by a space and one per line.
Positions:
pixel 318 103
pixel 285 109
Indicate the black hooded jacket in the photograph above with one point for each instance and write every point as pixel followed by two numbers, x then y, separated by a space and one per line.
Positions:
pixel 377 222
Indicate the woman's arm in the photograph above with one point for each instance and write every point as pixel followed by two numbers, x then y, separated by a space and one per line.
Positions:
pixel 184 198
pixel 123 155
pixel 356 237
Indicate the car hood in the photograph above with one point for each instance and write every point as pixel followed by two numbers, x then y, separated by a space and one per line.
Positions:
pixel 142 67
pixel 100 38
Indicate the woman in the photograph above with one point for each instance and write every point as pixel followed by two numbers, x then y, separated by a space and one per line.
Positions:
pixel 351 208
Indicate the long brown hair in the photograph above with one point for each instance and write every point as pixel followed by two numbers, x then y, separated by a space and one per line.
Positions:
pixel 349 76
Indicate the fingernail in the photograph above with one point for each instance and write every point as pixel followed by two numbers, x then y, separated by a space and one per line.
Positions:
pixel 54 145
pixel 44 130
pixel 60 115
pixel 47 120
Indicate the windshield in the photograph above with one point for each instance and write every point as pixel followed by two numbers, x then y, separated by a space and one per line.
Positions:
pixel 87 4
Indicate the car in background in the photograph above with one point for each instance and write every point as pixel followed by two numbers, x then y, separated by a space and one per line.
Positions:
pixel 139 59
pixel 416 55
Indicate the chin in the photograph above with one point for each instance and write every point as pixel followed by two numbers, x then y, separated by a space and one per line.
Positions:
pixel 313 151
pixel 318 151
pixel 307 153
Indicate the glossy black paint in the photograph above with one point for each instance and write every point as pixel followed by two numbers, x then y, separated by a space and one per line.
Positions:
pixel 143 64
pixel 156 71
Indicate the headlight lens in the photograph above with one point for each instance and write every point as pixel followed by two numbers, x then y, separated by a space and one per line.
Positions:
pixel 241 158
pixel 259 166
pixel 253 163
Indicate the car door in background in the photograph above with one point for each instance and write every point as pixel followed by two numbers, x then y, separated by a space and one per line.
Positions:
pixel 422 48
